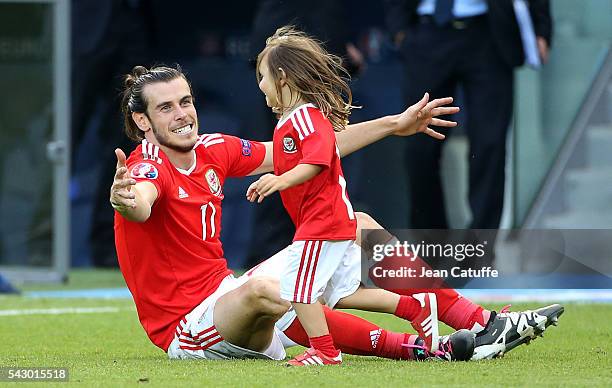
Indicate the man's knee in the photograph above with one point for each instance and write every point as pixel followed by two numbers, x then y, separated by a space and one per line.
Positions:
pixel 365 221
pixel 370 232
pixel 263 287
pixel 246 316
pixel 263 293
pixel 366 225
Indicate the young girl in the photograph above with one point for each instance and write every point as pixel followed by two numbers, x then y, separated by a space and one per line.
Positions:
pixel 302 84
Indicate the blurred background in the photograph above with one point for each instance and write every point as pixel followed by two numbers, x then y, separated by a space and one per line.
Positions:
pixel 61 64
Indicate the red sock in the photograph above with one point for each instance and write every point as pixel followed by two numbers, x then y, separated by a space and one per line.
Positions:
pixel 355 335
pixel 325 344
pixel 407 308
pixel 453 309
pixel 391 345
pixel 476 321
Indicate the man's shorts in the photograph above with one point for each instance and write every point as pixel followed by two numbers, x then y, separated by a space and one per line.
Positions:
pixel 197 337
pixel 344 281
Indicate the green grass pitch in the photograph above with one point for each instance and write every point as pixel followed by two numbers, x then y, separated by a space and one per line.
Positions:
pixel 111 349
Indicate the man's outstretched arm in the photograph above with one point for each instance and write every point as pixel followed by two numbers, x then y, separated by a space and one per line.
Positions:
pixel 130 199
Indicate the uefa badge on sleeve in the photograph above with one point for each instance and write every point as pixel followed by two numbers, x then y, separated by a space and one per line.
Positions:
pixel 246 147
pixel 213 182
pixel 144 170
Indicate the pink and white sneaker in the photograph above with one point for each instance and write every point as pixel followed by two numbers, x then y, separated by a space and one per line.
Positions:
pixel 458 346
pixel 314 357
pixel 426 322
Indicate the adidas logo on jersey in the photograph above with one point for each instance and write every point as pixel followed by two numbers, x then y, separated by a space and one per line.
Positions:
pixel 374 337
pixel 182 193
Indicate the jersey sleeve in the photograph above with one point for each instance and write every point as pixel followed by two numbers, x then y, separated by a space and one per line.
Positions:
pixel 150 170
pixel 243 156
pixel 319 140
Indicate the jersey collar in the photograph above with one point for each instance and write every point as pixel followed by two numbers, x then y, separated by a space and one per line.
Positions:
pixel 283 121
pixel 193 166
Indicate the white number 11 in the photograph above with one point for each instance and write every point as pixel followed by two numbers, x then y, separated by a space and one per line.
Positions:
pixel 213 211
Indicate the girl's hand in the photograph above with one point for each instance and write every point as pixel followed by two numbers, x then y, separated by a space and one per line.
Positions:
pixel 251 193
pixel 418 117
pixel 265 186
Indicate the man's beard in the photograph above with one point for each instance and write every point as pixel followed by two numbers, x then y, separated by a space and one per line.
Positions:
pixel 163 138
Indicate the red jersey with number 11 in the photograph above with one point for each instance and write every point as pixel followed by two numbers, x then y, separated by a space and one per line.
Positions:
pixel 319 207
pixel 174 260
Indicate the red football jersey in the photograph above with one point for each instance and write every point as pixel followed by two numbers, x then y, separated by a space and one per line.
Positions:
pixel 174 260
pixel 320 207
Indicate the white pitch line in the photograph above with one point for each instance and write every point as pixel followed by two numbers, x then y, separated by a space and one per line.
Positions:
pixel 58 311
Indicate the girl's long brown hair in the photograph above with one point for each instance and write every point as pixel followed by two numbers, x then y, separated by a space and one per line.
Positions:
pixel 316 75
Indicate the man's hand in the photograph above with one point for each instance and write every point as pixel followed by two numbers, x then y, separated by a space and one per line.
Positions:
pixel 121 195
pixel 418 117
pixel 265 186
pixel 542 49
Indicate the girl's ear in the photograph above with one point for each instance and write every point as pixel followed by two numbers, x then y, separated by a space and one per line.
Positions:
pixel 283 77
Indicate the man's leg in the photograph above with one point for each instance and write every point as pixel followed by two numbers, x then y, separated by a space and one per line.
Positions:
pixel 453 309
pixel 496 332
pixel 351 334
pixel 432 71
pixel 419 309
pixel 488 85
pixel 354 335
pixel 246 316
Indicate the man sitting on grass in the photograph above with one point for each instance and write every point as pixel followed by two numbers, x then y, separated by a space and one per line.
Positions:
pixel 168 197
